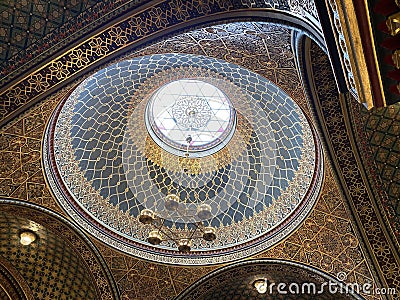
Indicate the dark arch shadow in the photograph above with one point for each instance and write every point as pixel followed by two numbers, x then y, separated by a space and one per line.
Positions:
pixel 297 281
pixel 56 231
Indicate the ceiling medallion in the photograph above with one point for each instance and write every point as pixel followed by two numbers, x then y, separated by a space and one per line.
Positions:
pixel 231 160
pixel 219 134
pixel 191 112
pixel 190 107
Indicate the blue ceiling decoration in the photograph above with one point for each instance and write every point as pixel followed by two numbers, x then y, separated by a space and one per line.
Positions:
pixel 109 167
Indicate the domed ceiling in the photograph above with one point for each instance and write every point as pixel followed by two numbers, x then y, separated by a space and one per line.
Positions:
pixel 201 140
pixel 209 133
pixel 50 267
pixel 237 281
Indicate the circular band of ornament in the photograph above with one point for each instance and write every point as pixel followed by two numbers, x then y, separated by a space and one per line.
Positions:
pixel 103 176
pixel 192 108
pixel 212 159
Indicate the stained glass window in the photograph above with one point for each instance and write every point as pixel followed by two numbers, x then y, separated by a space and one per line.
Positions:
pixel 194 109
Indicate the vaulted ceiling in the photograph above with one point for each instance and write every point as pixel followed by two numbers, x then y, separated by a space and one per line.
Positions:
pixel 350 212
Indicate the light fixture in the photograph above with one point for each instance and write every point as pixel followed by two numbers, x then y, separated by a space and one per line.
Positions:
pixel 197 229
pixel 172 202
pixel 27 237
pixel 146 216
pixel 183 241
pixel 209 233
pixel 204 211
pixel 184 245
pixel 155 237
pixel 261 285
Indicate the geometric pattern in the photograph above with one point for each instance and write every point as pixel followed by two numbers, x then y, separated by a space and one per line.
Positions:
pixel 334 118
pixel 382 128
pixel 13 285
pixel 138 279
pixel 58 237
pixel 315 244
pixel 30 196
pixel 261 47
pixel 21 177
pixel 130 30
pixel 343 50
pixel 50 266
pixel 88 143
pixel 236 282
pixel 190 107
pixel 327 240
pixel 229 145
pixel 25 22
pixel 230 174
pixel 31 30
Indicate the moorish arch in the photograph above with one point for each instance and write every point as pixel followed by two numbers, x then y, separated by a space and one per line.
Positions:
pixel 51 266
pixel 239 281
pixel 109 152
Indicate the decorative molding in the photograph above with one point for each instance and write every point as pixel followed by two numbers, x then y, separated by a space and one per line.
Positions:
pixel 147 24
pixel 12 283
pixel 330 106
pixel 108 221
pixel 377 132
pixel 343 47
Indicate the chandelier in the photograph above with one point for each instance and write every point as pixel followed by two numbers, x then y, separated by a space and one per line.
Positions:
pixel 161 232
pixel 183 239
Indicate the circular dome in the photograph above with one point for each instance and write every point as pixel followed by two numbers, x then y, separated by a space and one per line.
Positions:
pixel 190 115
pixel 117 145
pixel 280 280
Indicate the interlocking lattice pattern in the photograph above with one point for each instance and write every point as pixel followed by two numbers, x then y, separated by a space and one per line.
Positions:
pixel 138 279
pixel 366 208
pixel 382 127
pixel 151 20
pixel 50 266
pixel 194 108
pixel 21 176
pixel 236 282
pixel 34 28
pixel 259 188
pixel 25 22
pixel 13 285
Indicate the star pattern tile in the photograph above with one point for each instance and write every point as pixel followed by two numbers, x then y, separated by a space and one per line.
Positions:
pixel 192 108
pixel 382 128
pixel 25 22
